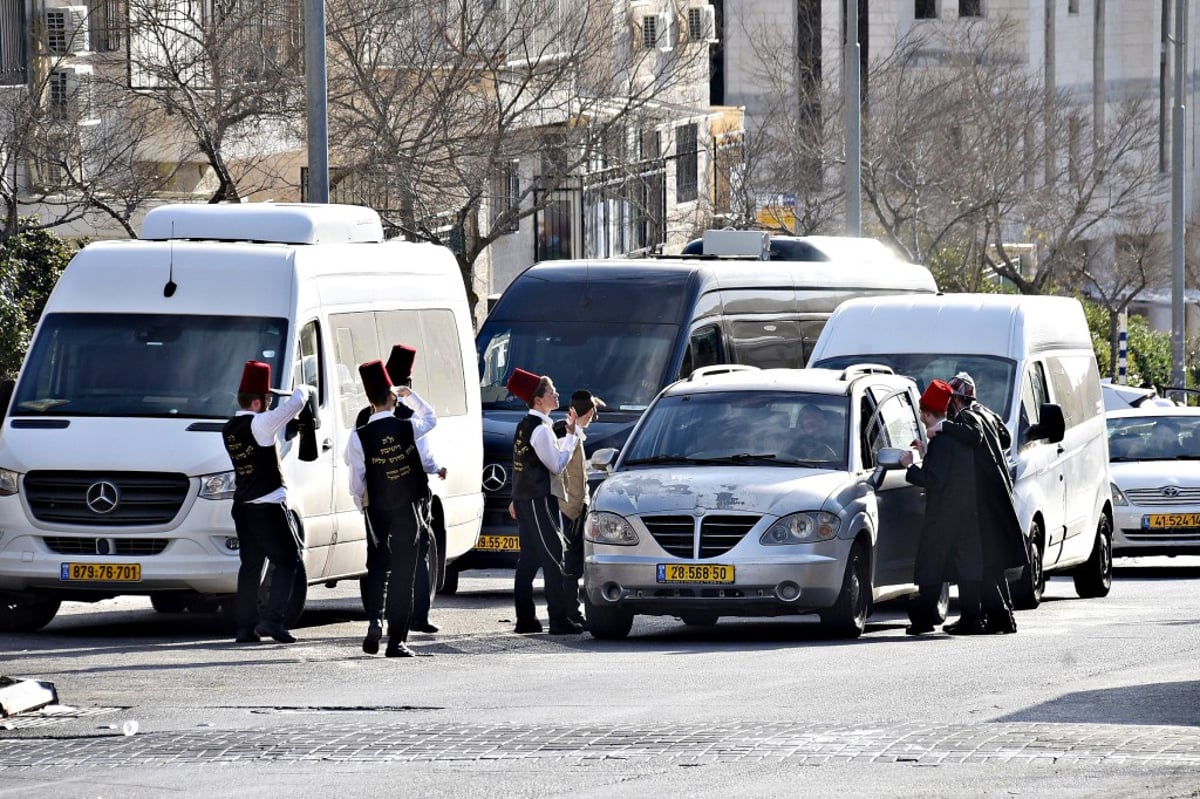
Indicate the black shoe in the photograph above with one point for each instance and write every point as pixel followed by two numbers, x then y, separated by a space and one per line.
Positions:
pixel 566 628
pixel 275 630
pixel 528 626
pixel 399 649
pixel 371 642
pixel 247 637
pixel 1001 624
pixel 966 626
pixel 918 629
pixel 426 627
pixel 577 618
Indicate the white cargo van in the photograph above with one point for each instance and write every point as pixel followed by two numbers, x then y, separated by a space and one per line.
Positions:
pixel 113 477
pixel 1033 363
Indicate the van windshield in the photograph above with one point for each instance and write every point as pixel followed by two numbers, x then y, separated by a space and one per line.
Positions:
pixel 86 364
pixel 624 364
pixel 993 376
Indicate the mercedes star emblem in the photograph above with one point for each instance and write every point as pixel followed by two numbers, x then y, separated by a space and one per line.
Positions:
pixel 102 497
pixel 494 477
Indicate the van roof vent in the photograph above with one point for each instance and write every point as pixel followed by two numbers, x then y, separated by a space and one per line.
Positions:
pixel 860 369
pixel 283 223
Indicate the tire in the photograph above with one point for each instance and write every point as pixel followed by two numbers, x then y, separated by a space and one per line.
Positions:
pixel 1027 589
pixel 449 581
pixel 1094 578
pixel 607 624
pixel 170 601
pixel 848 616
pixel 26 615
pixel 940 611
pixel 699 618
pixel 433 561
pixel 295 604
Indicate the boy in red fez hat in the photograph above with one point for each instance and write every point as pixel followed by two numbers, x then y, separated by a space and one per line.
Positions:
pixel 387 481
pixel 264 525
pixel 538 454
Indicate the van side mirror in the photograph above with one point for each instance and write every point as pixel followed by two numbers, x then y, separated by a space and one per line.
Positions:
pixel 1052 426
pixel 6 391
pixel 603 459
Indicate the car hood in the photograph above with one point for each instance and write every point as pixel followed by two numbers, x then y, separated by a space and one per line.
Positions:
pixel 776 490
pixel 166 445
pixel 1133 475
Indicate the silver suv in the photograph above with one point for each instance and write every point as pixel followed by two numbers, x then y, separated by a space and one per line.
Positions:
pixel 747 492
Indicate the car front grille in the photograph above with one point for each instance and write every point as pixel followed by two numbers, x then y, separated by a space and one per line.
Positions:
pixel 135 498
pixel 70 545
pixel 1184 495
pixel 718 533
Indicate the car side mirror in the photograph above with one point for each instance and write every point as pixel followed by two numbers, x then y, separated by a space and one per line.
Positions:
pixel 886 460
pixel 1052 427
pixel 603 459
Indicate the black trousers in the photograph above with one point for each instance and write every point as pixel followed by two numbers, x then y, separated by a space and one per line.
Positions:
pixel 541 547
pixel 923 607
pixel 422 589
pixel 573 558
pixel 392 567
pixel 264 533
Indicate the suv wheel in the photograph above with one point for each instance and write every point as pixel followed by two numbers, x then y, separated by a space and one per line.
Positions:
pixel 607 623
pixel 848 616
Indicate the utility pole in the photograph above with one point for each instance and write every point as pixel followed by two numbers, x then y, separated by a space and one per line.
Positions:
pixel 852 88
pixel 1177 198
pixel 317 94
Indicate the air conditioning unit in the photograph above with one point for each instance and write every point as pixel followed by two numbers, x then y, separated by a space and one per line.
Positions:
pixel 67 30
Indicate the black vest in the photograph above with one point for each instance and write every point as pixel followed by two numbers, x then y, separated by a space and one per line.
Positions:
pixel 531 478
pixel 395 477
pixel 255 467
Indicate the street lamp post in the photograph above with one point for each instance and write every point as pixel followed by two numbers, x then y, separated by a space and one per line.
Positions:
pixel 317 96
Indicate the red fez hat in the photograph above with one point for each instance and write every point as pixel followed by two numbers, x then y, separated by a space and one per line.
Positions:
pixel 256 378
pixel 523 384
pixel 400 363
pixel 936 396
pixel 374 378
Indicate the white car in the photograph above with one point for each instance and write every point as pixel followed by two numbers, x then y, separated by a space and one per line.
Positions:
pixel 1154 459
pixel 746 492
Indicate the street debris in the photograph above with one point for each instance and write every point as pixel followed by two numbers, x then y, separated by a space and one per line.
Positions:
pixel 20 696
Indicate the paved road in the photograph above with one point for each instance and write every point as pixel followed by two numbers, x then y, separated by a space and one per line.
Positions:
pixel 1090 697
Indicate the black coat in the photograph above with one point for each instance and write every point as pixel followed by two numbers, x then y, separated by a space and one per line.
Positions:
pixel 949 549
pixel 1000 532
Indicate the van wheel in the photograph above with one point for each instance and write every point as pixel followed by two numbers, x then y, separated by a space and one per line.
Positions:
pixel 699 618
pixel 1094 578
pixel 26 615
pixel 433 562
pixel 295 603
pixel 848 616
pixel 608 623
pixel 450 581
pixel 1027 589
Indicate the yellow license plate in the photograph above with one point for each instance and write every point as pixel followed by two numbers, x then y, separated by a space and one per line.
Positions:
pixel 499 543
pixel 1167 521
pixel 695 573
pixel 101 572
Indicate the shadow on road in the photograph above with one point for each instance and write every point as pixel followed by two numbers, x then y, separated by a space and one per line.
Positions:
pixel 1172 703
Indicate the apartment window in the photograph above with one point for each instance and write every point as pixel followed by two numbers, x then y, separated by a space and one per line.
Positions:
pixel 104 22
pixel 970 8
pixel 926 9
pixel 506 194
pixel 12 43
pixel 649 31
pixel 686 164
pixel 1072 6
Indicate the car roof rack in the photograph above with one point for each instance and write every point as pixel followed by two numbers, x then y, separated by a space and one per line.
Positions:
pixel 720 369
pixel 860 369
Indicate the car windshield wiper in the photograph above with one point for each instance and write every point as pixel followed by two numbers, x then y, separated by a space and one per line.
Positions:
pixel 666 459
pixel 743 457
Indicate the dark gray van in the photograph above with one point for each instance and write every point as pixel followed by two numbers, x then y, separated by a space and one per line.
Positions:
pixel 624 329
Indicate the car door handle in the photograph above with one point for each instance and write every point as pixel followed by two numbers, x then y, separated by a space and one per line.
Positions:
pixel 1061 449
pixel 327 445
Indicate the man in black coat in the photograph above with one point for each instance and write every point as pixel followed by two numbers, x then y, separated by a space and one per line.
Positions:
pixel 1001 536
pixel 949 550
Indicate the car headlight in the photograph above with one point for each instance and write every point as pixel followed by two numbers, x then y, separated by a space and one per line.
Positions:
pixel 10 482
pixel 1118 496
pixel 802 528
pixel 609 528
pixel 217 486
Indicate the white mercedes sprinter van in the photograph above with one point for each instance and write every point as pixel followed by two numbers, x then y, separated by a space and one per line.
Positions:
pixel 113 476
pixel 1033 363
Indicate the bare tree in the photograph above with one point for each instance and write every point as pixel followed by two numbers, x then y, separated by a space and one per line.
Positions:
pixel 433 105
